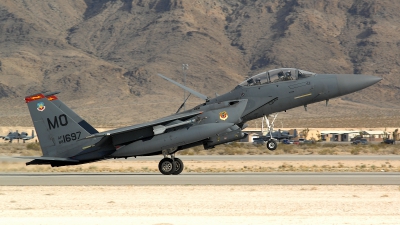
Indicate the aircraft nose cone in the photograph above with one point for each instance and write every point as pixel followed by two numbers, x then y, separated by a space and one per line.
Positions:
pixel 348 83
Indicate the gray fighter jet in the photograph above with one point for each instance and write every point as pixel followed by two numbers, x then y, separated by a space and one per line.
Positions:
pixel 66 139
pixel 16 135
pixel 280 135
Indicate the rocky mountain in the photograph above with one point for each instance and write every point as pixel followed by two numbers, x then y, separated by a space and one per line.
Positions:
pixel 103 55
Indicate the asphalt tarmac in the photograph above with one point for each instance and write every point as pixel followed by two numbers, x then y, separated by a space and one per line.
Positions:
pixel 118 179
pixel 247 158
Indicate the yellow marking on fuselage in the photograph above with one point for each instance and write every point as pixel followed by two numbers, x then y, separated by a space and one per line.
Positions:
pixel 302 96
pixel 86 147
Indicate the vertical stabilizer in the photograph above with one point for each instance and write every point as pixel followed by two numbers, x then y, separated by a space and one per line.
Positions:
pixel 57 131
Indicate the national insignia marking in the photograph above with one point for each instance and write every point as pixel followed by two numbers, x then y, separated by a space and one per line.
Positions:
pixel 223 115
pixel 40 106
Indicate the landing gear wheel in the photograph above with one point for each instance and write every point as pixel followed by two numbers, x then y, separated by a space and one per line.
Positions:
pixel 167 166
pixel 178 166
pixel 272 145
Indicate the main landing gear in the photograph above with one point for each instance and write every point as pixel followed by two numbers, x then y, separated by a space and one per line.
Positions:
pixel 168 166
pixel 271 143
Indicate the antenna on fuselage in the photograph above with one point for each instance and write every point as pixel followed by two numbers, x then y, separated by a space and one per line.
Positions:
pixel 183 104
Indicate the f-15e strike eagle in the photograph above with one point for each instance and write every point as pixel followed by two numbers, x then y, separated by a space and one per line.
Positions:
pixel 67 139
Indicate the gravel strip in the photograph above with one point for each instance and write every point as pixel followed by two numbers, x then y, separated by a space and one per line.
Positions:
pixel 300 204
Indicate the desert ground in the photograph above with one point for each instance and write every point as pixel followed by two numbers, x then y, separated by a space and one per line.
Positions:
pixel 201 204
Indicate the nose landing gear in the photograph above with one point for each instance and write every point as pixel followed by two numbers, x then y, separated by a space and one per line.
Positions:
pixel 271 143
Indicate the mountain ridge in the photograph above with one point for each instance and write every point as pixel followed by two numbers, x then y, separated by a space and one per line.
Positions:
pixel 102 53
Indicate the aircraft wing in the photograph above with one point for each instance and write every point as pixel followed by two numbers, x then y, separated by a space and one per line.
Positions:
pixel 197 94
pixel 139 131
pixel 27 138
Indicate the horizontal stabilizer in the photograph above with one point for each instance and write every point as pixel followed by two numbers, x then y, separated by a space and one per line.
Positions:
pixel 47 158
pixel 197 94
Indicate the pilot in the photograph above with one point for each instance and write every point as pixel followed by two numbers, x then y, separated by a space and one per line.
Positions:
pixel 258 81
pixel 303 75
pixel 250 82
pixel 280 75
pixel 288 75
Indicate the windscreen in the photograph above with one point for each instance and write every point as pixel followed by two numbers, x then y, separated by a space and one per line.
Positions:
pixel 276 75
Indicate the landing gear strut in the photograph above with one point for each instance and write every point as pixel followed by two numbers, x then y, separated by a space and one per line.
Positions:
pixel 168 166
pixel 271 143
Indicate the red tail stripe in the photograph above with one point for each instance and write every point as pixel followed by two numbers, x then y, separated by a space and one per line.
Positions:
pixel 34 98
pixel 52 97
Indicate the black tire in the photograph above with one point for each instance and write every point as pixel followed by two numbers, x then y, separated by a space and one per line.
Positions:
pixel 166 166
pixel 272 145
pixel 178 166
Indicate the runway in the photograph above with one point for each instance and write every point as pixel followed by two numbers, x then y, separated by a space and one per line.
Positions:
pixel 247 158
pixel 119 179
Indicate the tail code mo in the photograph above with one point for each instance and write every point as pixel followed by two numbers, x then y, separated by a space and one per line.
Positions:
pixel 60 120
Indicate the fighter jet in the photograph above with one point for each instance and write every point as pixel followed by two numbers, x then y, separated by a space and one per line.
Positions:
pixel 16 135
pixel 276 135
pixel 67 139
pixel 280 135
pixel 11 136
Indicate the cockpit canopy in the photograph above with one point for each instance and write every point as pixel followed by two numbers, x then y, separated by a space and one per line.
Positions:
pixel 276 75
